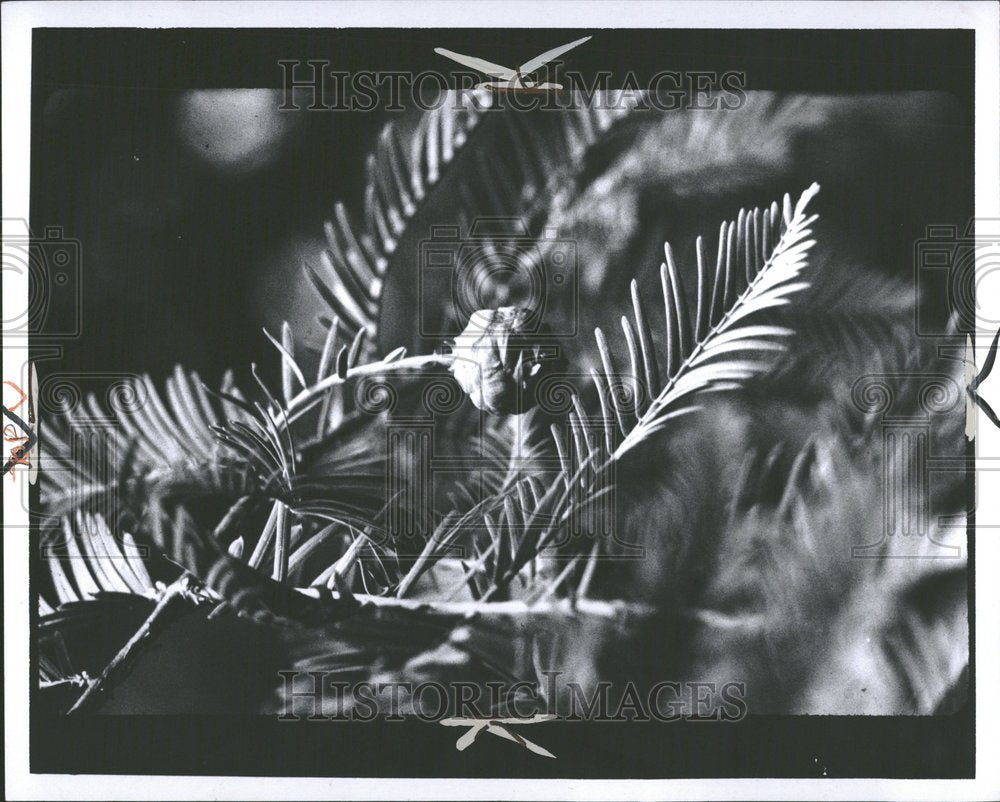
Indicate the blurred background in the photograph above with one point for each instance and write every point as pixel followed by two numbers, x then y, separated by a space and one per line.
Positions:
pixel 196 200
pixel 196 209
pixel 189 206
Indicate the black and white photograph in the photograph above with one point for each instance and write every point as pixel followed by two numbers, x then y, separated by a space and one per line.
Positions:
pixel 443 401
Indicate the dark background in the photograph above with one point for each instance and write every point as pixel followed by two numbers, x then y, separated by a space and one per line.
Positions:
pixel 176 252
pixel 182 254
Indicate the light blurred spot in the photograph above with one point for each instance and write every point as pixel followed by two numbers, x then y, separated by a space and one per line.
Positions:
pixel 238 130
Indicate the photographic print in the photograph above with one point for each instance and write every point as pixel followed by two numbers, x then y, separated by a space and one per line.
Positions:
pixel 581 400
